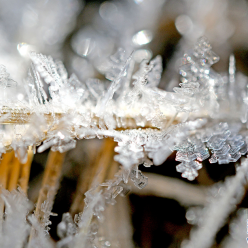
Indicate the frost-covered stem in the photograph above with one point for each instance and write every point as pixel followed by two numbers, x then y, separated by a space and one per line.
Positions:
pixel 15 167
pixel 218 210
pixel 238 231
pixel 171 120
pixel 167 187
pixel 49 187
pixel 25 172
pixel 118 228
pixel 94 174
pixel 3 180
pixel 86 218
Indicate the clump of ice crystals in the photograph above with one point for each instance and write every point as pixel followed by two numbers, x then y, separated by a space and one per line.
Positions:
pixel 198 80
pixel 69 109
pixel 224 143
pixel 147 123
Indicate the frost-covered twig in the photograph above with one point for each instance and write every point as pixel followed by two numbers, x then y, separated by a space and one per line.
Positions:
pixel 14 171
pixel 25 172
pixel 48 190
pixel 3 180
pixel 94 174
pixel 218 209
pixel 238 231
pixel 167 187
pixel 15 228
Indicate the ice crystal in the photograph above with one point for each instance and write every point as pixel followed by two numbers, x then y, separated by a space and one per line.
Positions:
pixel 225 146
pixel 197 80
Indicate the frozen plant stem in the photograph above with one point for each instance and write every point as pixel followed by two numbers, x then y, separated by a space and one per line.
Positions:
pixel 49 188
pixel 166 187
pixel 118 229
pixel 218 210
pixel 4 165
pixel 14 172
pixel 94 174
pixel 25 172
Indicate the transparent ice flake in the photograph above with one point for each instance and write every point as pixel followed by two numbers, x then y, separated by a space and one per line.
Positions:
pixel 139 180
pixel 189 169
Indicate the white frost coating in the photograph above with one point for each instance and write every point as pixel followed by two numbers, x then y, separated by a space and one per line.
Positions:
pixel 15 229
pixel 214 217
pixel 238 231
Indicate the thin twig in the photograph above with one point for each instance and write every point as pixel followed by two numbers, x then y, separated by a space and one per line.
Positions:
pixel 25 172
pixel 94 174
pixel 217 210
pixel 118 227
pixel 49 187
pixel 4 165
pixel 167 187
pixel 14 174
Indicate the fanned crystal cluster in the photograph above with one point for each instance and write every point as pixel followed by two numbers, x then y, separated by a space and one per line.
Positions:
pixel 224 143
pixel 198 80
